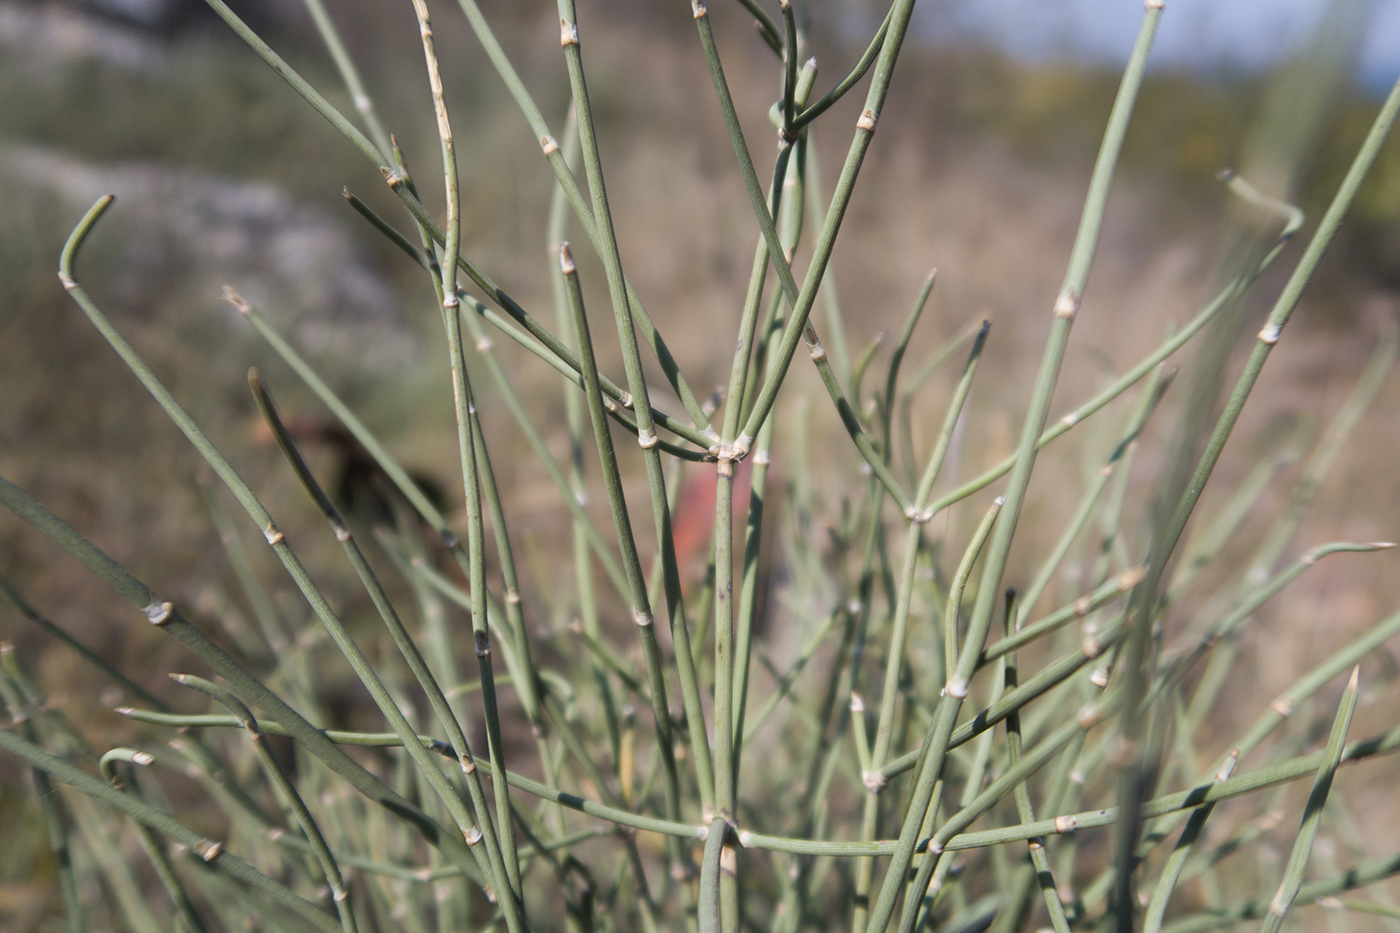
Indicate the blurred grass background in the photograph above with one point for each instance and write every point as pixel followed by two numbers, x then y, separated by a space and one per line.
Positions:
pixel 224 177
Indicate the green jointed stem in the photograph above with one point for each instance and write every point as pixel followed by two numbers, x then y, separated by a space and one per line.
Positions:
pixel 78 648
pixel 798 327
pixel 641 605
pixel 582 210
pixel 710 872
pixel 1039 871
pixel 1066 306
pixel 1089 602
pixel 1212 791
pixel 287 792
pixel 789 69
pixel 1283 309
pixel 887 401
pixel 211 851
pixel 567 494
pixel 1357 876
pixel 731 660
pixel 1171 871
pixel 576 420
pixel 767 29
pixel 504 849
pixel 415 207
pixel 1285 703
pixel 785 197
pixel 1178 665
pixel 1312 814
pixel 395 471
pixel 437 699
pixel 959 584
pixel 1044 751
pixel 865 131
pixel 1224 299
pixel 349 74
pixel 862 364
pixel 926 782
pixel 894 663
pixel 476 549
pixel 566 365
pixel 801 301
pixel 1156 386
pixel 646 436
pixel 833 323
pixel 1324 455
pixel 420 876
pixel 169 617
pixel 155 851
pixel 211 720
pixel 872 51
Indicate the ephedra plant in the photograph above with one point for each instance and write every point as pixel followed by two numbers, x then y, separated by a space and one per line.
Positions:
pixel 934 751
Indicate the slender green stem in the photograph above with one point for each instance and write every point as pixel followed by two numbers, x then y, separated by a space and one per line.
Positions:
pixel 576 419
pixel 1285 703
pixel 415 207
pixel 936 741
pixel 1066 306
pixel 1222 300
pixel 951 628
pixel 1357 876
pixel 779 257
pixel 1271 545
pixel 887 401
pixel 767 29
pixel 212 852
pixel 504 849
pixel 710 874
pixel 349 74
pixel 583 211
pixel 734 624
pixel 1153 391
pixel 894 662
pixel 1312 814
pixel 1089 602
pixel 865 130
pixel 789 68
pixel 1171 871
pixel 839 91
pixel 167 616
pixel 437 699
pixel 646 436
pixel 124 779
pixel 641 605
pixel 340 891
pixel 1283 309
pixel 801 300
pixel 394 740
pixel 78 648
pixel 1293 769
pixel 1039 871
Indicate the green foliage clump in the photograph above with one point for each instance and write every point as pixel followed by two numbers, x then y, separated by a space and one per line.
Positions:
pixel 740 685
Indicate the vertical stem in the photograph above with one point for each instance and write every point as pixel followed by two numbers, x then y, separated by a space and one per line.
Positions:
pixel 1066 306
pixel 466 415
pixel 641 606
pixel 646 435
pixel 172 620
pixel 865 131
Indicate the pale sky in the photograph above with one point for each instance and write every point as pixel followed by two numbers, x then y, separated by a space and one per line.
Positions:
pixel 1221 34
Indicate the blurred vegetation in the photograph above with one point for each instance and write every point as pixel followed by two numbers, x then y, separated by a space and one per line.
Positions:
pixel 78 436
